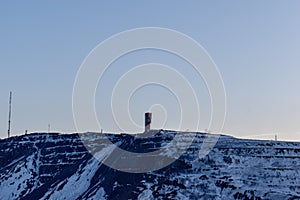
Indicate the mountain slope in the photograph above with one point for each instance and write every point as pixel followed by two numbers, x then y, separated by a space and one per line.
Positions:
pixel 58 166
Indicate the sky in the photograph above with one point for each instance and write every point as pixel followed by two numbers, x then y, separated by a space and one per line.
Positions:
pixel 255 45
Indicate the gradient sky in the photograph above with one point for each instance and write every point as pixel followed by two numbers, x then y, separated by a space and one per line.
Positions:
pixel 255 45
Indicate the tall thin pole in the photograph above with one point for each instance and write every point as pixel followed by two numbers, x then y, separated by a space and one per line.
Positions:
pixel 9 114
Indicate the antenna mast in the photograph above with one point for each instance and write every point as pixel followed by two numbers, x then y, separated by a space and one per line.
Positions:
pixel 9 114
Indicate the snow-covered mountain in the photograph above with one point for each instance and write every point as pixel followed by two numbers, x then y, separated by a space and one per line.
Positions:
pixel 58 166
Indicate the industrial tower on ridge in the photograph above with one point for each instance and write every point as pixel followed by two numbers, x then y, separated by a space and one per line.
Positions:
pixel 148 117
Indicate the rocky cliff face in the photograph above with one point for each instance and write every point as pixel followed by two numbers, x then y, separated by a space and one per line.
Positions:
pixel 58 166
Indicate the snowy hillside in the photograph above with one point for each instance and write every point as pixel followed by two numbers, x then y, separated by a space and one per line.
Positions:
pixel 58 166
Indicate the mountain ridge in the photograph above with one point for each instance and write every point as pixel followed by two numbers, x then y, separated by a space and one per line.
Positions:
pixel 51 165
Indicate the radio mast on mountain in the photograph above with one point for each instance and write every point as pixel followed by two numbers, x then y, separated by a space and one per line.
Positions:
pixel 9 113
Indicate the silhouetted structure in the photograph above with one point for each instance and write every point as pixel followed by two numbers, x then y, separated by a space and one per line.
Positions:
pixel 148 117
pixel 9 114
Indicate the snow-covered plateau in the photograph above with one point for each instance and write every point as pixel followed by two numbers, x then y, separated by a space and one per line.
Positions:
pixel 58 166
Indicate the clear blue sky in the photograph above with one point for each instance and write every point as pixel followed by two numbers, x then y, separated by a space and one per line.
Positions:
pixel 255 44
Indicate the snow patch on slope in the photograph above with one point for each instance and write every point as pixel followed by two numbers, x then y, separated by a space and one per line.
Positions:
pixel 79 182
pixel 146 194
pixel 23 176
pixel 100 195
